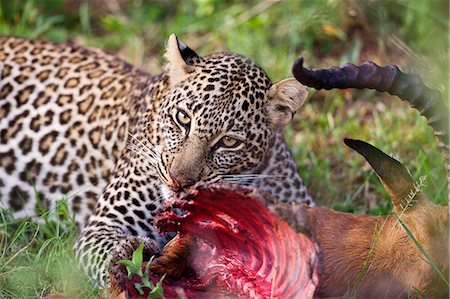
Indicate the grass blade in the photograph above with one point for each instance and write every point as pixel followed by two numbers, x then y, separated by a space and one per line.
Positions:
pixel 427 257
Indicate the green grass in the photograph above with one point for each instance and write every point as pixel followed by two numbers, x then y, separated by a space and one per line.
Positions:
pixel 36 255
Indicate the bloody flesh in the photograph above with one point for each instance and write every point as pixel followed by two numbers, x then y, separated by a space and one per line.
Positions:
pixel 239 248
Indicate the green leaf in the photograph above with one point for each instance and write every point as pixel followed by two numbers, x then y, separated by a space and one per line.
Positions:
pixel 147 266
pixel 138 255
pixel 132 268
pixel 158 291
pixel 138 287
pixel 146 282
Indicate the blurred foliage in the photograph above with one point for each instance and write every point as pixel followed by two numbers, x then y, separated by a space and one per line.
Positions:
pixel 273 32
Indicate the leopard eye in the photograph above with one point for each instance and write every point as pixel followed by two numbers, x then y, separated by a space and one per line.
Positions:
pixel 230 142
pixel 183 119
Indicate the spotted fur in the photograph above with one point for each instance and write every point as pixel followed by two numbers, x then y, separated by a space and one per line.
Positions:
pixel 118 142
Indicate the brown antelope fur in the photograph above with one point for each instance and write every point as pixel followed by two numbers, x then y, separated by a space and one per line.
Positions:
pixel 377 249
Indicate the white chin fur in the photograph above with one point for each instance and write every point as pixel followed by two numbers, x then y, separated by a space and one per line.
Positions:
pixel 166 192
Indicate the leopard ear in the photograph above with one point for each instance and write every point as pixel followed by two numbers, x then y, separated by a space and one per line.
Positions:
pixel 180 60
pixel 284 99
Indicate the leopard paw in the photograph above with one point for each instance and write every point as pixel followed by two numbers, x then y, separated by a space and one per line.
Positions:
pixel 124 251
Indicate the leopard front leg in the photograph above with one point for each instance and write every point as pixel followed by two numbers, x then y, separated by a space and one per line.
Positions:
pixel 122 221
pixel 100 247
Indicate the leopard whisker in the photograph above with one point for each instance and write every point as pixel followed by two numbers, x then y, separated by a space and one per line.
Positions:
pixel 71 195
pixel 253 176
pixel 240 182
pixel 148 153
pixel 229 179
pixel 159 198
pixel 258 163
pixel 152 161
pixel 245 179
pixel 139 150
pixel 153 152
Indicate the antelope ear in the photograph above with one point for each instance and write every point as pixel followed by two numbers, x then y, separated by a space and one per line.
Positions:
pixel 284 99
pixel 393 175
pixel 180 60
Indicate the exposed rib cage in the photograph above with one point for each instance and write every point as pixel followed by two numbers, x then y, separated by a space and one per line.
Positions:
pixel 389 78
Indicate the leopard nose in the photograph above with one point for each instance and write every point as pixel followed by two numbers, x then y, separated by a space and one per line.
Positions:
pixel 180 182
pixel 187 183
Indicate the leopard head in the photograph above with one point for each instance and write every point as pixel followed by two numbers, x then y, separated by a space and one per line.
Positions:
pixel 220 117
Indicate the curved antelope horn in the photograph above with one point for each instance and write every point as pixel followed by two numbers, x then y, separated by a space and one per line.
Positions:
pixel 389 78
pixel 393 175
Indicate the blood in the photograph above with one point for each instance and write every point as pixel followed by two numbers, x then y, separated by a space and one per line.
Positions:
pixel 238 248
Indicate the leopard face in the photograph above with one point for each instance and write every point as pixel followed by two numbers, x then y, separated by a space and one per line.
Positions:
pixel 220 117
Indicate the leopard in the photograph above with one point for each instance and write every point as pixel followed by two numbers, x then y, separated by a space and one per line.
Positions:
pixel 117 142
